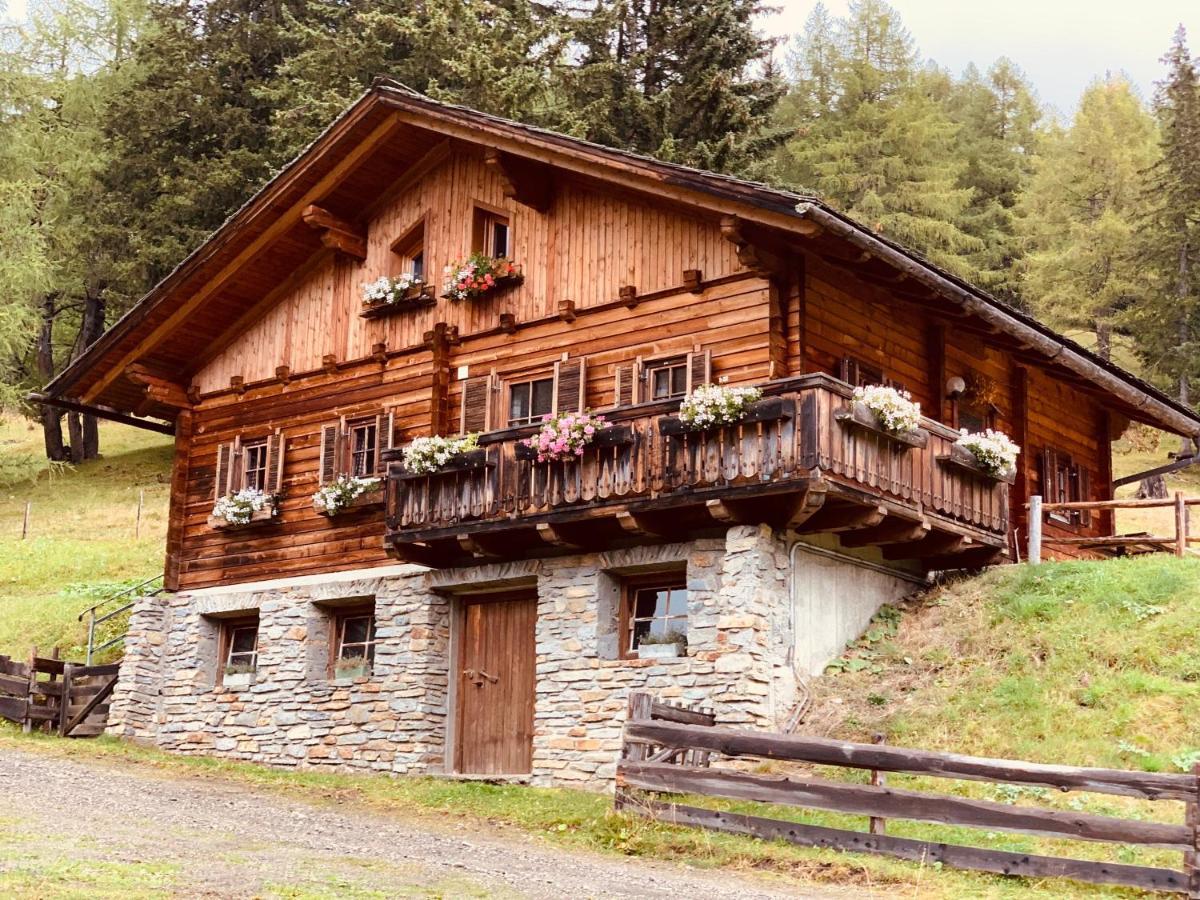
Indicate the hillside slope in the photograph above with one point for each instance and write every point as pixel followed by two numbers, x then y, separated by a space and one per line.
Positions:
pixel 81 544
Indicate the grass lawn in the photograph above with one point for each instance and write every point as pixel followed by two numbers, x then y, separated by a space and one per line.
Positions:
pixel 81 543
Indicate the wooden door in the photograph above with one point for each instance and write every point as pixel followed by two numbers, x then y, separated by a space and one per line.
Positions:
pixel 496 686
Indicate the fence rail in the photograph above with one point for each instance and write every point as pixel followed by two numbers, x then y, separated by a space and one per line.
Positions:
pixel 652 742
pixel 1177 542
pixel 72 700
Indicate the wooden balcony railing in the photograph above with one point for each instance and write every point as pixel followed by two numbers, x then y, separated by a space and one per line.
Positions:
pixel 801 459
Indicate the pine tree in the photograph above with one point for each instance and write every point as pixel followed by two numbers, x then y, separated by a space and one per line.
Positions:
pixel 1081 211
pixel 1167 324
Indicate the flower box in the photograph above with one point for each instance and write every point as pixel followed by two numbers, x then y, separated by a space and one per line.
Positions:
pixel 769 409
pixel 661 651
pixel 262 516
pixel 612 436
pixel 237 680
pixel 419 296
pixel 480 276
pixel 371 497
pixel 351 673
pixel 459 462
pixel 858 415
pixel 962 458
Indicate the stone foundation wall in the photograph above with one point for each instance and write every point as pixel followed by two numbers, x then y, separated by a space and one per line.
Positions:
pixel 740 660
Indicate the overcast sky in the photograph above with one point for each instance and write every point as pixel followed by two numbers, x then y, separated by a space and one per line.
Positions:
pixel 1061 44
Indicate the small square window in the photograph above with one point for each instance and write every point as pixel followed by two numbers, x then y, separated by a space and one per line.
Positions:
pixel 656 605
pixel 254 465
pixel 667 378
pixel 353 642
pixel 493 235
pixel 530 401
pixel 238 647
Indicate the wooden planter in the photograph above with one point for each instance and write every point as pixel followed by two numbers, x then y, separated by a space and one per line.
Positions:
pixel 372 497
pixel 662 651
pixel 857 415
pixel 460 462
pixel 961 458
pixel 611 436
pixel 769 409
pixel 263 516
pixel 419 296
pixel 502 283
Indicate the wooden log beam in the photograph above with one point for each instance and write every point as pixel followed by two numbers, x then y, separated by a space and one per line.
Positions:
pixel 939 543
pixel 999 862
pixel 751 253
pixel 843 518
pixel 893 530
pixel 527 182
pixel 336 234
pixel 896 803
pixel 101 411
pixel 978 557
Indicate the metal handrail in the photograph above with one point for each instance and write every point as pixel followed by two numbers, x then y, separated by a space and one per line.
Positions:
pixel 94 620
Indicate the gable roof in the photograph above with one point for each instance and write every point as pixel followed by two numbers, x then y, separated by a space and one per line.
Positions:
pixel 385 132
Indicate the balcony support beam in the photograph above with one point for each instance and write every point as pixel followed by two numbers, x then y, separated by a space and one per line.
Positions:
pixel 893 530
pixel 938 543
pixel 844 518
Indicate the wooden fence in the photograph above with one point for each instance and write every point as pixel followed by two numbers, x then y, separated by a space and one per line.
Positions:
pixel 51 695
pixel 659 752
pixel 1177 542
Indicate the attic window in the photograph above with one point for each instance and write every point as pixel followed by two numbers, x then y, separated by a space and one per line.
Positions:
pixel 408 253
pixel 492 235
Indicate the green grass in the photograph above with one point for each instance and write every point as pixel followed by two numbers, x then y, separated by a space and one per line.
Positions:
pixel 81 543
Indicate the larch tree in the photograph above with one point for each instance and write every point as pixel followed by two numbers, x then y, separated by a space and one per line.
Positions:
pixel 1081 213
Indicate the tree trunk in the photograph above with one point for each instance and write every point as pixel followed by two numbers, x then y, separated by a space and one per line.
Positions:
pixel 51 418
pixel 75 430
pixel 1152 488
pixel 89 332
pixel 1104 340
pixel 1183 286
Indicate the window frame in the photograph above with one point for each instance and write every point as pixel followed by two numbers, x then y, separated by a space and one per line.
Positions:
pixel 228 628
pixel 408 252
pixel 529 382
pixel 1068 481
pixel 483 228
pixel 673 365
pixel 353 426
pixel 631 587
pixel 257 446
pixel 339 617
pixel 855 372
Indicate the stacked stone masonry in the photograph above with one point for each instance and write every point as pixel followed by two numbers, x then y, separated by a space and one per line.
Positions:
pixel 739 660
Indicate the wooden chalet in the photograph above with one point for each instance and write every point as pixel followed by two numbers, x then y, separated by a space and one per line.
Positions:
pixel 638 280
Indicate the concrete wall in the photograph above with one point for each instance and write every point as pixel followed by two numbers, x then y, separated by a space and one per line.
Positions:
pixel 742 657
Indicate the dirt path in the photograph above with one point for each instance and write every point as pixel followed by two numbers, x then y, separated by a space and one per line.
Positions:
pixel 73 829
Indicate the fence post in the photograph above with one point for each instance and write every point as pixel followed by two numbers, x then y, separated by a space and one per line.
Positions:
pixel 64 700
pixel 1181 524
pixel 25 520
pixel 27 725
pixel 638 710
pixel 1035 530
pixel 878 823
pixel 1191 858
pixel 137 522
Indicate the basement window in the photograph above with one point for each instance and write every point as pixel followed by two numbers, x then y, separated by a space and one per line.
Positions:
pixel 353 650
pixel 654 607
pixel 238 650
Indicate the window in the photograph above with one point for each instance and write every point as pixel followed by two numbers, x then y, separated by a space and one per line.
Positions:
pixel 1065 481
pixel 363 438
pixel 353 642
pixel 408 253
pixel 239 647
pixel 254 465
pixel 668 378
pixel 653 605
pixel 492 234
pixel 857 373
pixel 529 401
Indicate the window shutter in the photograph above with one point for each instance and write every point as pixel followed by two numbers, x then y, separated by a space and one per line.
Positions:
pixel 224 464
pixel 570 383
pixel 384 435
pixel 381 422
pixel 330 433
pixel 628 378
pixel 237 466
pixel 476 414
pixel 1083 491
pixel 1048 478
pixel 699 369
pixel 848 371
pixel 275 446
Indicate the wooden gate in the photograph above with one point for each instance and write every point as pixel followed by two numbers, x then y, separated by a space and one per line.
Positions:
pixel 56 696
pixel 494 725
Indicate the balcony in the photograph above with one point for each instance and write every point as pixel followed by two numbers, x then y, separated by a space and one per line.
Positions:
pixel 802 461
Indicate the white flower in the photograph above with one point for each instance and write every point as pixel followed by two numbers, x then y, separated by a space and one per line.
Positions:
pixel 895 409
pixel 710 405
pixel 341 492
pixel 994 451
pixel 389 290
pixel 239 508
pixel 428 454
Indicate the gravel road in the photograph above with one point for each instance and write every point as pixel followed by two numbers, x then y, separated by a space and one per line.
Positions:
pixel 214 838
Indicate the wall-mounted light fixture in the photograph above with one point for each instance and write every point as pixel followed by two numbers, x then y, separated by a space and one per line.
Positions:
pixel 955 386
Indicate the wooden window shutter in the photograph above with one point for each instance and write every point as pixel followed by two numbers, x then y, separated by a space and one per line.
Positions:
pixel 699 369
pixel 223 468
pixel 275 448
pixel 381 422
pixel 570 385
pixel 477 401
pixel 237 466
pixel 330 441
pixel 848 370
pixel 628 378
